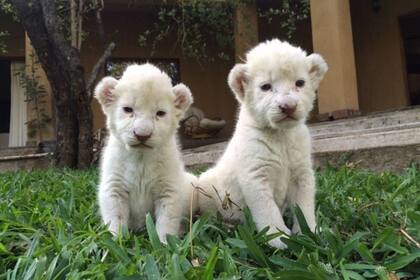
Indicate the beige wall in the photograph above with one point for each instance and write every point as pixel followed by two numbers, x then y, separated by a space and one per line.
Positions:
pixel 302 36
pixel 47 133
pixel 381 79
pixel 206 80
pixel 332 38
pixel 380 61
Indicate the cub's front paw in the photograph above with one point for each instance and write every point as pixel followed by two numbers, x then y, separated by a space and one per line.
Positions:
pixel 114 229
pixel 163 239
pixel 162 235
pixel 277 243
pixel 117 228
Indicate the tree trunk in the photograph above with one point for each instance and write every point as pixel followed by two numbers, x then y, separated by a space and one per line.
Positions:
pixel 85 124
pixel 61 63
pixel 85 151
pixel 67 131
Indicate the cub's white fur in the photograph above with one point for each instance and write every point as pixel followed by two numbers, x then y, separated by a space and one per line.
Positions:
pixel 141 169
pixel 267 164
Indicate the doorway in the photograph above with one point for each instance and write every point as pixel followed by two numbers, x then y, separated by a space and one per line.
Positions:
pixel 410 32
pixel 13 109
pixel 5 98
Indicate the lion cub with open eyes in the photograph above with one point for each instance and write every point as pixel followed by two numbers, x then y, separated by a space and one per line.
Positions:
pixel 267 164
pixel 141 169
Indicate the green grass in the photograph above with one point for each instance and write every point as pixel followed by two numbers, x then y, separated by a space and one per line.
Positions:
pixel 50 229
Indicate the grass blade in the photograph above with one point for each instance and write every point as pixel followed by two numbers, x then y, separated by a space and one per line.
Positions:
pixel 175 271
pixel 288 264
pixel 294 275
pixel 355 275
pixel 116 250
pixel 401 262
pixel 211 263
pixel 151 269
pixel 253 247
pixel 151 231
pixel 50 271
pixel 385 234
pixel 363 250
pixel 302 221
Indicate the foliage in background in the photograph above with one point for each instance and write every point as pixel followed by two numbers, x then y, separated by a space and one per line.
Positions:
pixel 3 35
pixel 72 21
pixel 85 9
pixel 35 96
pixel 5 8
pixel 289 12
pixel 368 227
pixel 204 28
pixel 198 24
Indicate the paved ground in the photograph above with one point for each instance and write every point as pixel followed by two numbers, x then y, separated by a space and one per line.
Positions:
pixel 383 141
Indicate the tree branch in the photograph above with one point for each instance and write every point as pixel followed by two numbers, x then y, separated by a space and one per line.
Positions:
pixel 73 23
pixel 101 32
pixel 79 25
pixel 52 23
pixel 97 68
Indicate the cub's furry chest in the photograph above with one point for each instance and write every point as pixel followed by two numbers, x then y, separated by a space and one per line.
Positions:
pixel 143 178
pixel 272 162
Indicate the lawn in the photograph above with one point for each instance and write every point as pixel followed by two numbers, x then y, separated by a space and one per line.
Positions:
pixel 368 229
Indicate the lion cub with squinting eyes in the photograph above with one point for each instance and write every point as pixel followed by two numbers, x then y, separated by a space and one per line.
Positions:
pixel 267 164
pixel 141 169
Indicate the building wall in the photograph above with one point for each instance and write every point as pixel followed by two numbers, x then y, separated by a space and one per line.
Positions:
pixel 380 60
pixel 381 77
pixel 207 81
pixel 302 36
pixel 332 38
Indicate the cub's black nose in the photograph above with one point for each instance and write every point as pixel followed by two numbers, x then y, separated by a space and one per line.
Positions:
pixel 287 109
pixel 142 137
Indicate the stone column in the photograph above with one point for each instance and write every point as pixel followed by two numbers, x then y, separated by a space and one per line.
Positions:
pixel 332 38
pixel 31 63
pixel 245 28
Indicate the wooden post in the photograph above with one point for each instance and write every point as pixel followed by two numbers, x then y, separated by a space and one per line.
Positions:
pixel 333 39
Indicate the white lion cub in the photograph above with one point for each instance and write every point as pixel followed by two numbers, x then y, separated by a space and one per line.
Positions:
pixel 141 168
pixel 267 164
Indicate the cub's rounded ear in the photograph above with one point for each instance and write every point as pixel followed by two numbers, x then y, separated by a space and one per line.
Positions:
pixel 183 97
pixel 104 91
pixel 317 68
pixel 237 79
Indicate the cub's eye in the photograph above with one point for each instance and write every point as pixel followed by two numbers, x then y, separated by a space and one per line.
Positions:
pixel 266 87
pixel 160 113
pixel 128 109
pixel 300 83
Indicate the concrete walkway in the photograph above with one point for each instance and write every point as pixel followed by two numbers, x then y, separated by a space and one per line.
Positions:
pixel 382 141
